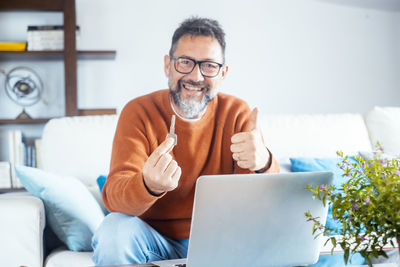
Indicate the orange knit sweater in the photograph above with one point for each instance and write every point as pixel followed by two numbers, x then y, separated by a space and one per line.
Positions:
pixel 203 148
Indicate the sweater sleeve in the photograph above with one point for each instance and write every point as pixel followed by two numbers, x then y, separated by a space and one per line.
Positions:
pixel 272 165
pixel 125 190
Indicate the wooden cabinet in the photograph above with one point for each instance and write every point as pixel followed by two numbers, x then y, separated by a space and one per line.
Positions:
pixel 69 55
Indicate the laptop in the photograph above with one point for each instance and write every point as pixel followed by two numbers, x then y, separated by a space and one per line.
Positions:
pixel 254 220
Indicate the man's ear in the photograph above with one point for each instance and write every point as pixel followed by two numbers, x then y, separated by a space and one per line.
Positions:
pixel 167 61
pixel 224 71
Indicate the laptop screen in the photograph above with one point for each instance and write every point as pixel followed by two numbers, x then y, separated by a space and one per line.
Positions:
pixel 255 219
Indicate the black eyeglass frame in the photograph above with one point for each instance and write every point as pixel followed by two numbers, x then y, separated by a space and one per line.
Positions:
pixel 198 62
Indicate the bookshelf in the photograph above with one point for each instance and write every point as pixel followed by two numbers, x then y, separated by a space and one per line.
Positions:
pixel 32 128
pixel 69 55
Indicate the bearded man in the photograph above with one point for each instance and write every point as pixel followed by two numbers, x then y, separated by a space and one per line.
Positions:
pixel 150 188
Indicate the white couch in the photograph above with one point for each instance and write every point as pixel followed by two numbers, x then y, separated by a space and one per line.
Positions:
pixel 81 147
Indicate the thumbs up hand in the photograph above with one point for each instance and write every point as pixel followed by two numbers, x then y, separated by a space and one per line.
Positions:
pixel 248 148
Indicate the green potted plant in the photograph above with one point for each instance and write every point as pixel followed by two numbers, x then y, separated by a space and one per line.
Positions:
pixel 366 206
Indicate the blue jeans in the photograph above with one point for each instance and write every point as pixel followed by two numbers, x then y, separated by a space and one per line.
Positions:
pixel 124 239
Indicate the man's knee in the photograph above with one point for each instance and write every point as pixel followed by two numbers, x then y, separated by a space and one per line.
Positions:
pixel 119 240
pixel 120 226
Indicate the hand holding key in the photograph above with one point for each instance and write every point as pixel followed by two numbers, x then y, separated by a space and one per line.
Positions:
pixel 160 172
pixel 172 131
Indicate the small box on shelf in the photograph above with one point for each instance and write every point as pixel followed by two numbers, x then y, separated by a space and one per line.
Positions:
pixel 46 37
pixel 12 46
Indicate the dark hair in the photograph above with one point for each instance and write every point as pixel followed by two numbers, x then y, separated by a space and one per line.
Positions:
pixel 196 26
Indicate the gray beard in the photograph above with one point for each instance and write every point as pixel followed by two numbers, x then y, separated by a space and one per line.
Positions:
pixel 191 108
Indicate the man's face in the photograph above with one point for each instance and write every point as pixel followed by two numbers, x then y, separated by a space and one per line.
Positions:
pixel 192 92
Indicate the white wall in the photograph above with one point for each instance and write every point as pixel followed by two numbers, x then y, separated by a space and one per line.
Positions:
pixel 285 56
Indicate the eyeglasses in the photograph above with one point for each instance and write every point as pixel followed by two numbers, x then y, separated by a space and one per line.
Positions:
pixel 186 65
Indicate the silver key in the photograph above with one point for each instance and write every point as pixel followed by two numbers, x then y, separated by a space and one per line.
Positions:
pixel 172 131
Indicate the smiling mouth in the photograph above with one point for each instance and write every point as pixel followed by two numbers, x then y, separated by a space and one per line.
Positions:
pixel 193 88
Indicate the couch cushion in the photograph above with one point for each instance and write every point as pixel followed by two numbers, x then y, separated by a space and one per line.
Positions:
pixel 65 258
pixel 383 125
pixel 314 135
pixel 78 146
pixel 71 210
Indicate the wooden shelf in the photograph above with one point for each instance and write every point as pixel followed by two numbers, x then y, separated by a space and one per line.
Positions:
pixel 24 121
pixel 81 112
pixel 56 55
pixel 21 5
pixel 96 54
pixel 8 190
pixel 90 112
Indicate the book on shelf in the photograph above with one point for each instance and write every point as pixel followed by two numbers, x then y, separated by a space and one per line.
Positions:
pixel 46 37
pixel 31 151
pixel 37 152
pixel 16 155
pixel 21 151
pixel 5 174
pixel 12 46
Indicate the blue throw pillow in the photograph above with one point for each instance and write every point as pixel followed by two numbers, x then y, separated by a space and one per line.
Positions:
pixel 322 164
pixel 327 164
pixel 71 210
pixel 101 180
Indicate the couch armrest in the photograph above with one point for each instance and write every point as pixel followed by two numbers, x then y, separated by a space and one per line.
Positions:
pixel 21 230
